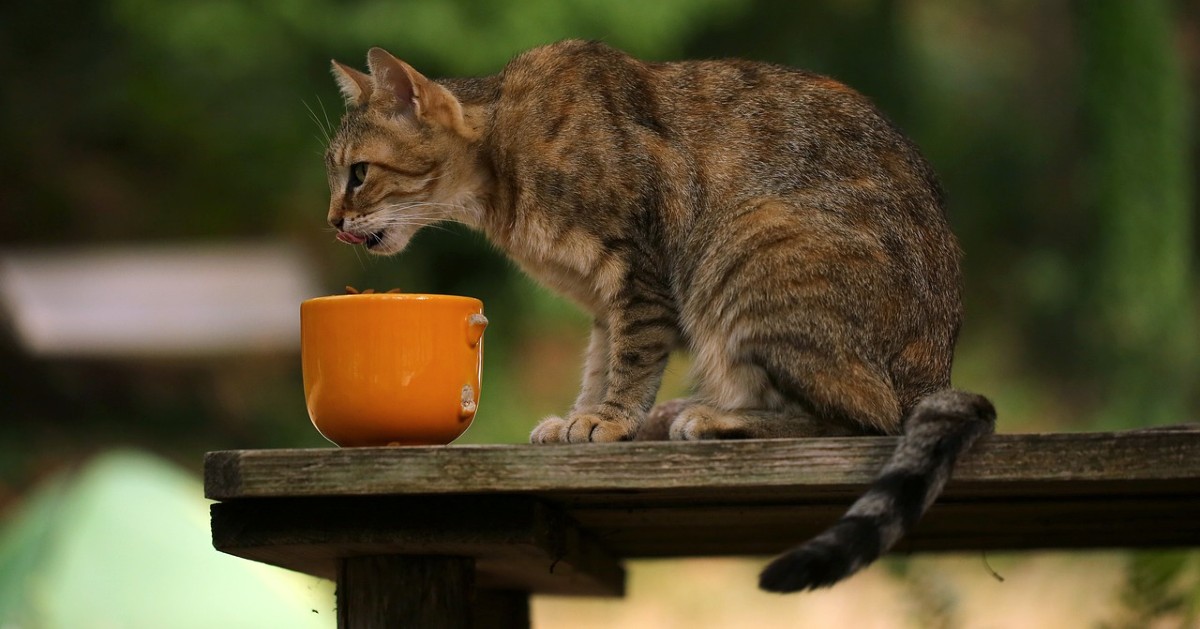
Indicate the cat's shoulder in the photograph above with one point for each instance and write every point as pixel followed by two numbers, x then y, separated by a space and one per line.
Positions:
pixel 569 49
pixel 567 57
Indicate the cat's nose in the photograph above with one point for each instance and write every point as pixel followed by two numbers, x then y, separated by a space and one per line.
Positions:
pixel 337 223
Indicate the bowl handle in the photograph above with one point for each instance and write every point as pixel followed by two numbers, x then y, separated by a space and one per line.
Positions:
pixel 476 324
pixel 468 406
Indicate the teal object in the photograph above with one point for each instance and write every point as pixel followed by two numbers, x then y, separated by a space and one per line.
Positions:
pixel 124 542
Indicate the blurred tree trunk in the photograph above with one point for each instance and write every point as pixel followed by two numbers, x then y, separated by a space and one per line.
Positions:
pixel 1138 187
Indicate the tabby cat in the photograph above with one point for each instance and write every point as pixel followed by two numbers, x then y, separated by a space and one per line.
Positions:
pixel 769 220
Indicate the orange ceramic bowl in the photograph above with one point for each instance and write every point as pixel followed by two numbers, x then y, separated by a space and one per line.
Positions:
pixel 391 369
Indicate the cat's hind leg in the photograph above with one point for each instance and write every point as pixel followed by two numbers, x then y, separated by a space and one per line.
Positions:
pixel 657 425
pixel 771 401
pixel 702 421
pixel 777 385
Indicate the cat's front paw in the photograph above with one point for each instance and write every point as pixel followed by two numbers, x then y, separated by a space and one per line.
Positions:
pixel 581 428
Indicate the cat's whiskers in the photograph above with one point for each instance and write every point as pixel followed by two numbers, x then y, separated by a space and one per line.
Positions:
pixel 388 216
pixel 313 116
pixel 405 212
pixel 459 213
pixel 328 124
pixel 419 221
pixel 399 217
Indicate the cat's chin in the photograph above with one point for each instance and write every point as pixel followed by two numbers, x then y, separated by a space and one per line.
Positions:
pixel 387 242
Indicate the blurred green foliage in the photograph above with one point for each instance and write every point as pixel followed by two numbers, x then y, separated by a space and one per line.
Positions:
pixel 1140 190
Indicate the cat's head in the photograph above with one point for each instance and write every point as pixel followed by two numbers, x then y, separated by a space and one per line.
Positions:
pixel 403 157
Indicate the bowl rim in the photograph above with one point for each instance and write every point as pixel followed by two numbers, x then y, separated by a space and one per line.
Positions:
pixel 431 297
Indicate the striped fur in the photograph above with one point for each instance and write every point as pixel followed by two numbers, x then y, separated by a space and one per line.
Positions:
pixel 769 220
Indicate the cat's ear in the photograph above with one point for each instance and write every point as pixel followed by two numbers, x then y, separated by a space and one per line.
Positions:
pixel 394 81
pixel 355 86
pixel 413 95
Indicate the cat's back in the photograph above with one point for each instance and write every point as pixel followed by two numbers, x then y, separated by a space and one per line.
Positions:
pixel 577 71
pixel 713 113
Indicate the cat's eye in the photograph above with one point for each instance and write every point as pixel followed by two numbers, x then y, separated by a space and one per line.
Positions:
pixel 358 174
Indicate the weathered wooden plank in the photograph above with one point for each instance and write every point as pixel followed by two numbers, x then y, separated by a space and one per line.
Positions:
pixel 517 542
pixel 1010 524
pixel 690 530
pixel 1052 464
pixel 558 519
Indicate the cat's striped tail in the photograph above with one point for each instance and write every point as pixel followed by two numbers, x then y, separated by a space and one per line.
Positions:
pixel 940 428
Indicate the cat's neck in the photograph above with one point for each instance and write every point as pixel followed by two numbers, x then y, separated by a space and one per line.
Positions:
pixel 477 97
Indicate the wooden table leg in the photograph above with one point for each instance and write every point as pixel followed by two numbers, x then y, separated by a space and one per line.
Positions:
pixel 501 609
pixel 385 592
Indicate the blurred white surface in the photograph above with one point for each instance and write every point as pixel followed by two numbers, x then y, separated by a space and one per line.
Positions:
pixel 176 300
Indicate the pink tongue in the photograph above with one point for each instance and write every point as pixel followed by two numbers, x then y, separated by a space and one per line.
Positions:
pixel 350 239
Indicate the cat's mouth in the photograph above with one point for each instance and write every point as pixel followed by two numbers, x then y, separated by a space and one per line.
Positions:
pixel 370 241
pixel 373 240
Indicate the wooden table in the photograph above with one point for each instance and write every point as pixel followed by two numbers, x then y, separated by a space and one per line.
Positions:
pixel 450 536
